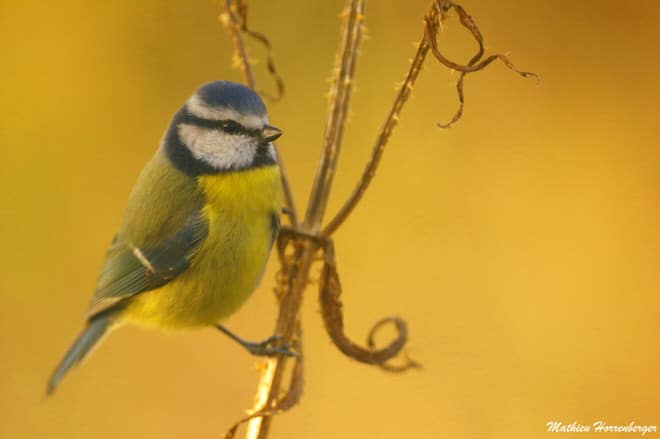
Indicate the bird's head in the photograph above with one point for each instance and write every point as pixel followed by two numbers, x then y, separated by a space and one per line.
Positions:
pixel 223 127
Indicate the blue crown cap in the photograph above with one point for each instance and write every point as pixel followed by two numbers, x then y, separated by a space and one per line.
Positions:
pixel 225 94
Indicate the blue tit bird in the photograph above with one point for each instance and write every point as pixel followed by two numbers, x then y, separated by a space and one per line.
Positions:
pixel 198 228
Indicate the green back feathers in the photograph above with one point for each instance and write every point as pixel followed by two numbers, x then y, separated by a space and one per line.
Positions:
pixel 161 202
pixel 162 230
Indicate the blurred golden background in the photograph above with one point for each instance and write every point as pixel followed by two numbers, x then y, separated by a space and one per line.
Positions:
pixel 521 245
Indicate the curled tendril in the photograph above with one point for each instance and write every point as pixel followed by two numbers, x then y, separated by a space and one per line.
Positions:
pixel 333 318
pixel 401 327
pixel 433 20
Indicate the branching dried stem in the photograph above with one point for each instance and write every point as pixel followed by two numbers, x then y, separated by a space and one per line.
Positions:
pixel 339 99
pixel 384 135
pixel 433 20
pixel 299 244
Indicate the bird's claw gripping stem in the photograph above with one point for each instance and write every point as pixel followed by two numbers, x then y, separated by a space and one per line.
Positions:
pixel 265 348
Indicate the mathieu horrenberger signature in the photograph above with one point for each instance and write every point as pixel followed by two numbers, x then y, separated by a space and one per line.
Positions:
pixel 599 427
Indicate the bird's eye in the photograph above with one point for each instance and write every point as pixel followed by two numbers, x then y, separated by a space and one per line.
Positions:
pixel 231 127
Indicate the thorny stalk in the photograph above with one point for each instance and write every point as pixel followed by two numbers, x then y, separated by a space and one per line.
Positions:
pixel 299 244
pixel 384 135
pixel 339 100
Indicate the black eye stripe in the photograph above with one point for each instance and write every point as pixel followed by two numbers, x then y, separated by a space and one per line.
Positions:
pixel 228 126
pixel 181 157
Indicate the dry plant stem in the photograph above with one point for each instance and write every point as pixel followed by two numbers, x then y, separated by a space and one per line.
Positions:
pixel 259 419
pixel 288 324
pixel 340 94
pixel 433 20
pixel 299 244
pixel 291 283
pixel 288 194
pixel 230 19
pixel 435 16
pixel 379 147
pixel 296 269
pixel 233 17
pixel 333 316
pixel 294 274
pixel 241 14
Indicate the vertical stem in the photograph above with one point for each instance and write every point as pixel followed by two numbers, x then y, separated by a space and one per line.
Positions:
pixel 340 94
pixel 288 323
pixel 384 135
pixel 288 193
pixel 241 60
pixel 297 273
pixel 308 236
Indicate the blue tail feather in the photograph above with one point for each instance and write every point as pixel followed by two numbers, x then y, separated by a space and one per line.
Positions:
pixel 90 336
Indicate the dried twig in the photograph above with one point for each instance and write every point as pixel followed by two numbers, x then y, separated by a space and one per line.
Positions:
pixel 231 19
pixel 299 244
pixel 384 135
pixel 296 259
pixel 234 17
pixel 295 268
pixel 340 94
pixel 433 20
pixel 291 399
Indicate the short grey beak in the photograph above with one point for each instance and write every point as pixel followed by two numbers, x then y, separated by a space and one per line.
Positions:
pixel 270 133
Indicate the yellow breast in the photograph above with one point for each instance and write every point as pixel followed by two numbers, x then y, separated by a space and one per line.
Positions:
pixel 242 209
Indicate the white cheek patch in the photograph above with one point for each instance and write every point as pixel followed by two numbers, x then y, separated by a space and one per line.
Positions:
pixel 198 108
pixel 216 148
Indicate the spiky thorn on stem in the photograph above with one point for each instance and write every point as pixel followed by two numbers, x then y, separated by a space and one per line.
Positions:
pixel 299 244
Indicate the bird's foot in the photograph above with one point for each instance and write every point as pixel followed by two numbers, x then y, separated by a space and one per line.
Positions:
pixel 267 348
pixel 270 347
